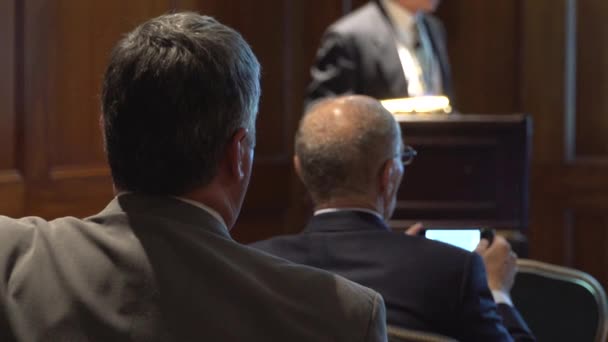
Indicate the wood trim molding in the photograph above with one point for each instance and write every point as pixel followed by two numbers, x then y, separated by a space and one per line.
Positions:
pixel 10 176
pixel 570 81
pixel 79 171
pixel 568 238
pixel 38 24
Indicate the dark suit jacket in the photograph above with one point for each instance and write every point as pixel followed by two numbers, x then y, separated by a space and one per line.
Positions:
pixel 159 269
pixel 426 285
pixel 357 55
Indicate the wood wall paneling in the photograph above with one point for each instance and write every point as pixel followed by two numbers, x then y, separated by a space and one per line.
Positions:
pixel 589 238
pixel 564 86
pixel 86 31
pixel 592 80
pixel 39 31
pixel 543 97
pixel 484 48
pixel 74 138
pixel 543 80
pixel 65 46
pixel 507 56
pixel 11 183
pixel 8 92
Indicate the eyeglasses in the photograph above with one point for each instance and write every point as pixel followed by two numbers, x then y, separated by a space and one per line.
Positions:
pixel 407 155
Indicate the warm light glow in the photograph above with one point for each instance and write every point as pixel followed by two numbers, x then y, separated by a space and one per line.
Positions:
pixel 420 104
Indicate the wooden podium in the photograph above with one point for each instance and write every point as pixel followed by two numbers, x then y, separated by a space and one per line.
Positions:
pixel 471 171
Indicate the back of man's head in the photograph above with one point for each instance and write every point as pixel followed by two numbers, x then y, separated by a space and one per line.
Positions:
pixel 341 146
pixel 176 89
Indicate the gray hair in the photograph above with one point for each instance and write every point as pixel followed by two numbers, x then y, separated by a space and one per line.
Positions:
pixel 175 91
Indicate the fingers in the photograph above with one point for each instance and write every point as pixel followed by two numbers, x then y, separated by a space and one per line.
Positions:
pixel 500 247
pixel 414 229
pixel 501 243
pixel 512 258
pixel 482 246
pixel 514 261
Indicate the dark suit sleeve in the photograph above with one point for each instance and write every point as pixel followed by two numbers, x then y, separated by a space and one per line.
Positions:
pixel 334 71
pixel 515 323
pixel 481 319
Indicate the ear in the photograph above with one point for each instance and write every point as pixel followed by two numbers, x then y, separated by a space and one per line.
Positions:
pixel 386 177
pixel 235 153
pixel 297 166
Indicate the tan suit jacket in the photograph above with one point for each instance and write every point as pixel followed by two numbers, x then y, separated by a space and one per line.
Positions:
pixel 158 269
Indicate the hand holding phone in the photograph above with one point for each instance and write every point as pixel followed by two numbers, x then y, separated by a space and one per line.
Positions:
pixel 488 234
pixel 498 258
pixel 501 264
pixel 465 238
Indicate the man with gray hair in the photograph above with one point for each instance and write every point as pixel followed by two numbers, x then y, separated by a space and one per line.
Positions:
pixel 350 156
pixel 179 98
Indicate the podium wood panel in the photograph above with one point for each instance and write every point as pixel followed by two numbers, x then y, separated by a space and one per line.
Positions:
pixel 471 170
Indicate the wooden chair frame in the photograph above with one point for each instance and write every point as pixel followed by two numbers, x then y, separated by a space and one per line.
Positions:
pixel 402 334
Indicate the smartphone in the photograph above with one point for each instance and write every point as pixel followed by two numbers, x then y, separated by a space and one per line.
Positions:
pixel 465 238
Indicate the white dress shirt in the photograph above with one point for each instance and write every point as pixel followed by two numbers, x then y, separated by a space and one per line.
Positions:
pixel 407 36
pixel 335 210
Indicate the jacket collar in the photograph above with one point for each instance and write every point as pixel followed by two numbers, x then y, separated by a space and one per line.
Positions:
pixel 165 208
pixel 345 220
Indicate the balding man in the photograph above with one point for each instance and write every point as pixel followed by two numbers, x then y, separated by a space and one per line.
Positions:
pixel 180 99
pixel 350 156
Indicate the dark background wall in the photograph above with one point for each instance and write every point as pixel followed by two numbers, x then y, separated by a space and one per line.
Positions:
pixel 539 57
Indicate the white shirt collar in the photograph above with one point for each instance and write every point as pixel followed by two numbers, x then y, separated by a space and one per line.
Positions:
pixel 335 210
pixel 403 20
pixel 199 205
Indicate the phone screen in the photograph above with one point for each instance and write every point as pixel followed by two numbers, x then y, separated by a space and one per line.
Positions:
pixel 464 238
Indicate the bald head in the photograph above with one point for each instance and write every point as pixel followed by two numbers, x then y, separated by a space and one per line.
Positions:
pixel 341 144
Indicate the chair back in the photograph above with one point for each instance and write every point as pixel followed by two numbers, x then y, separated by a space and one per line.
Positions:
pixel 560 303
pixel 397 334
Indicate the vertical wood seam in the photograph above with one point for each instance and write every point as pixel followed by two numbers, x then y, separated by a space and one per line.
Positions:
pixel 570 81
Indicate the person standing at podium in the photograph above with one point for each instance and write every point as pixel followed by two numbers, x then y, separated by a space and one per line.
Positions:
pixel 385 49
